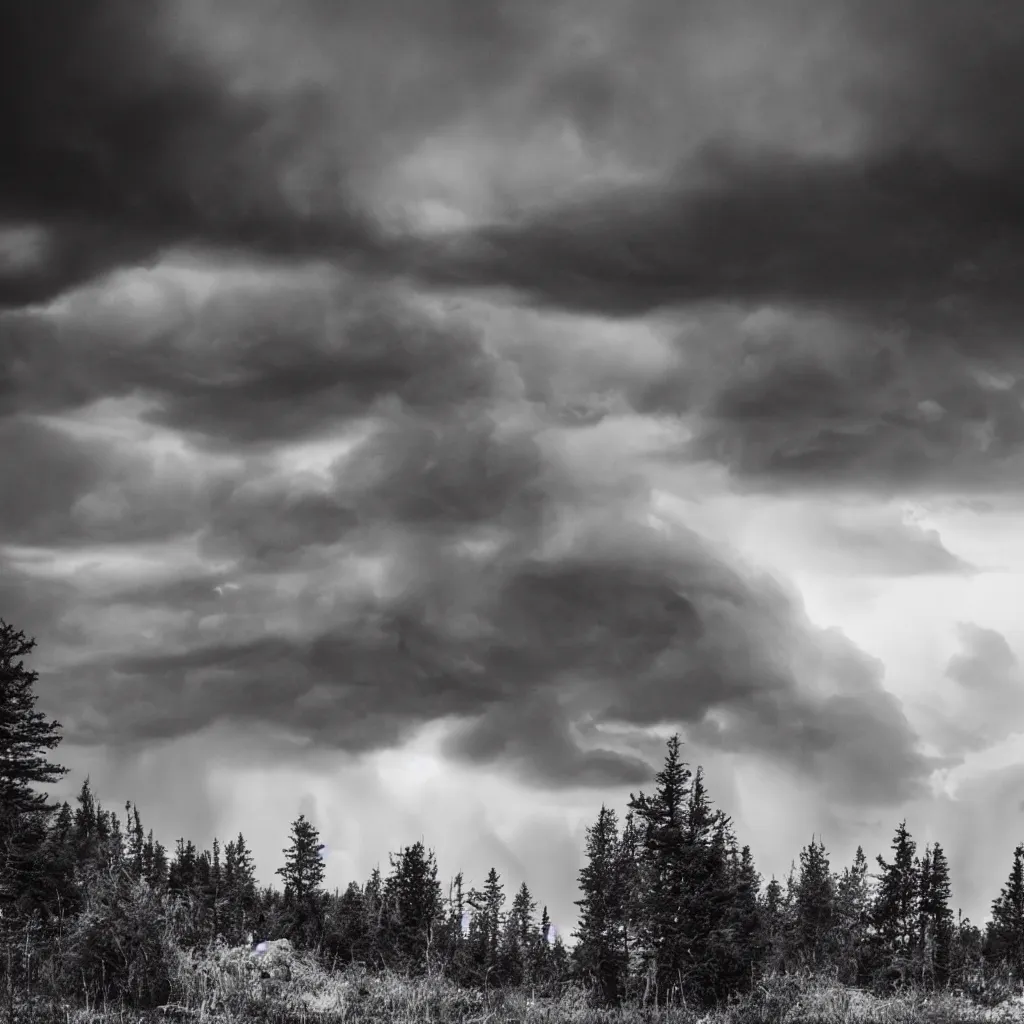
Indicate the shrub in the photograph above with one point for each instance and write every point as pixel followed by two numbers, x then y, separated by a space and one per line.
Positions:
pixel 119 947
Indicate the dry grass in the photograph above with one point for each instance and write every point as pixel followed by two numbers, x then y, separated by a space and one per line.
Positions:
pixel 225 985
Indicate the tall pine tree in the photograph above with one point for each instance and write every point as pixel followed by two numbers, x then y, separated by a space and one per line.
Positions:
pixel 25 735
pixel 601 953
pixel 1005 932
pixel 303 875
pixel 815 906
pixel 897 905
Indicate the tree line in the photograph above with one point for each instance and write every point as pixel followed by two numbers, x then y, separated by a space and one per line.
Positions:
pixel 671 907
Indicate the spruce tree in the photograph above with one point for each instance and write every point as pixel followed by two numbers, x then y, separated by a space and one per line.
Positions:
pixel 303 875
pixel 154 863
pixel 415 892
pixel 600 952
pixel 744 919
pixel 25 734
pixel 897 904
pixel 662 820
pixel 136 840
pixel 711 959
pixel 459 953
pixel 485 927
pixel 183 873
pixel 1005 933
pixel 935 928
pixel 347 929
pixel 629 869
pixel 541 967
pixel 517 938
pixel 59 863
pixel 853 914
pixel 814 906
pixel 773 908
pixel 240 890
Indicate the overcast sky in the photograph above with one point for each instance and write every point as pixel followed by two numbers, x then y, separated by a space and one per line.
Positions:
pixel 414 411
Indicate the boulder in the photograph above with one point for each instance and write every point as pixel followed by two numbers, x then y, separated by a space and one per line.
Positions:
pixel 273 959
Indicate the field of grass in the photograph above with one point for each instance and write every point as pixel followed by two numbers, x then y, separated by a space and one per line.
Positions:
pixel 230 984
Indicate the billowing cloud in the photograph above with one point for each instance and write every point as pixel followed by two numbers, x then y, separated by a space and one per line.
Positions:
pixel 982 701
pixel 122 140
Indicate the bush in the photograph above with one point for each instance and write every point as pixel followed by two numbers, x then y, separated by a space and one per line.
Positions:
pixel 119 948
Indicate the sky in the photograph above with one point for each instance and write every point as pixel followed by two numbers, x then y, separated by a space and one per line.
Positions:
pixel 411 414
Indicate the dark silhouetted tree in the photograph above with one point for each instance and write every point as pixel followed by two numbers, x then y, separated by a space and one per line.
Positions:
pixel 661 820
pixel 240 890
pixel 517 937
pixel 303 874
pixel 935 918
pixel 897 905
pixel 1004 940
pixel 853 905
pixel 414 892
pixel 814 906
pixel 25 735
pixel 601 953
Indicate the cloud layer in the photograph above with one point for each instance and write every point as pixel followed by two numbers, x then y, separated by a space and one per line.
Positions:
pixel 342 356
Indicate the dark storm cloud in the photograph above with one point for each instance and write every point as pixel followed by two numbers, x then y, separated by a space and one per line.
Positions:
pixel 131 128
pixel 250 365
pixel 625 628
pixel 912 229
pixel 893 416
pixel 926 205
pixel 120 141
pixel 62 489
pixel 890 235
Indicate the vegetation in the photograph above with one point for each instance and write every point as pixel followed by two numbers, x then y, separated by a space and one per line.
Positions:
pixel 674 920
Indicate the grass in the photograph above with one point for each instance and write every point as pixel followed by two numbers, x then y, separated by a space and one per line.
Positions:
pixel 225 985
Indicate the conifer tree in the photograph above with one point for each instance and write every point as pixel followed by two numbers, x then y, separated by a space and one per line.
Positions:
pixel 629 869
pixel 116 845
pixel 773 907
pixel 1005 932
pixel 485 927
pixel 348 932
pixel 517 937
pixel 154 862
pixel 25 736
pixel 459 954
pixel 711 961
pixel 59 864
pixel 935 930
pixel 897 903
pixel 744 921
pixel 853 914
pixel 373 909
pixel 136 840
pixel 662 820
pixel 183 873
pixel 415 893
pixel 240 889
pixel 213 895
pixel 541 967
pixel 601 953
pixel 815 906
pixel 303 874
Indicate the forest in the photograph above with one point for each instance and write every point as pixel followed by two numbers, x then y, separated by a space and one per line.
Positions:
pixel 674 917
